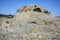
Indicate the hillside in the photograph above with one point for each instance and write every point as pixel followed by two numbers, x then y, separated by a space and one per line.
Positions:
pixel 30 23
pixel 58 16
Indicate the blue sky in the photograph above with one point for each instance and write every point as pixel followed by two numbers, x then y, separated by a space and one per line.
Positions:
pixel 10 6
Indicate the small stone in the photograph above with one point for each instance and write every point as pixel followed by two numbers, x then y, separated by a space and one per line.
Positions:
pixel 34 29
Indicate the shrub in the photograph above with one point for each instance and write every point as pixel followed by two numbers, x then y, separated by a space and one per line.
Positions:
pixel 46 11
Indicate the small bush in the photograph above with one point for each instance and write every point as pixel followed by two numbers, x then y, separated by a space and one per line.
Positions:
pixel 46 11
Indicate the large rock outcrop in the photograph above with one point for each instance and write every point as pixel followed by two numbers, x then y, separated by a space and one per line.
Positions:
pixel 30 23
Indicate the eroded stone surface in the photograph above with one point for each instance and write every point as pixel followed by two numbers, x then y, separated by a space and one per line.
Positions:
pixel 30 25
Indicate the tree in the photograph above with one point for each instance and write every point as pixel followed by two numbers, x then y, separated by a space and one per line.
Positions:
pixel 47 12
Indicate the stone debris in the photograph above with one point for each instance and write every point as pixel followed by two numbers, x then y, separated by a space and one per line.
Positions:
pixel 30 23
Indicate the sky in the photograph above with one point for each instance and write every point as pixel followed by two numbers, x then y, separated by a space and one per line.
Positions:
pixel 11 6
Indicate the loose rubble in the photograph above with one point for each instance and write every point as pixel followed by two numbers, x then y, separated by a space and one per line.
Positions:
pixel 30 25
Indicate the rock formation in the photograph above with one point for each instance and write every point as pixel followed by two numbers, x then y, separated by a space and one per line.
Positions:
pixel 30 23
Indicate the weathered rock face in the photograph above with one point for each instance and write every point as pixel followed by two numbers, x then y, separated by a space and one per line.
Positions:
pixel 30 8
pixel 31 24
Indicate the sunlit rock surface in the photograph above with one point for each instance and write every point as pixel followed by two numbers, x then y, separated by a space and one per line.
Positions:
pixel 30 23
